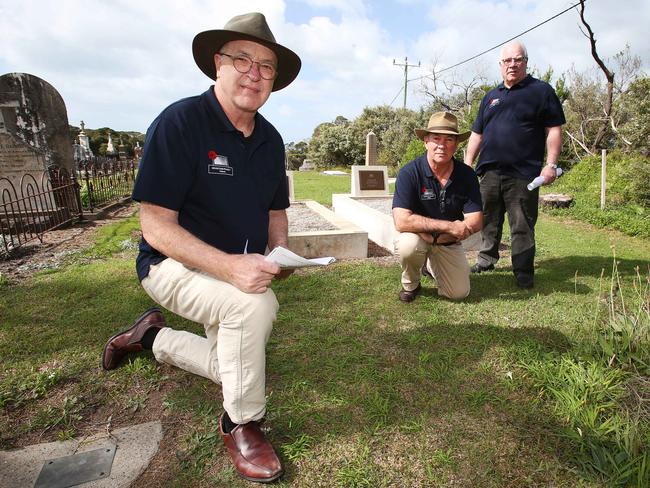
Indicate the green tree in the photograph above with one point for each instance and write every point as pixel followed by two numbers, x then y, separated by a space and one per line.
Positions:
pixel 335 144
pixel 296 154
pixel 636 105
pixel 393 128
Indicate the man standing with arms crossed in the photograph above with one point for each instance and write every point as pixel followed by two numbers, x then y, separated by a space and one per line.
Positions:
pixel 516 121
pixel 213 193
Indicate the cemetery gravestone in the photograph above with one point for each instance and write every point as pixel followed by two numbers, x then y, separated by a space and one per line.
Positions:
pixel 292 196
pixel 371 149
pixel 369 181
pixel 34 130
pixel 307 165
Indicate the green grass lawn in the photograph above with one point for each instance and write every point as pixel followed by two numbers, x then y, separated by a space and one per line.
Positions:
pixel 502 389
pixel 312 185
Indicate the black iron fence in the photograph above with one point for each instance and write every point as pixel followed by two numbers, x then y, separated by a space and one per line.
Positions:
pixel 36 204
pixel 104 180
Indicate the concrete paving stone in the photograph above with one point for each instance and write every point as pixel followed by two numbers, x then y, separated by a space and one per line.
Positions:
pixel 136 446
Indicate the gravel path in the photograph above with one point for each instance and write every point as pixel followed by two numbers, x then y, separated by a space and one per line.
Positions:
pixel 303 219
pixel 57 245
pixel 383 205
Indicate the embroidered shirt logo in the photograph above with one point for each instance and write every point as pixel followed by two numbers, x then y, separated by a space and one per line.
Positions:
pixel 494 102
pixel 427 194
pixel 218 164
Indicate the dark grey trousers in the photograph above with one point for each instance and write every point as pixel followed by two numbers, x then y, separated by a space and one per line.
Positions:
pixel 505 194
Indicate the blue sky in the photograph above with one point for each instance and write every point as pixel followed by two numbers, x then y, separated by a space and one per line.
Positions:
pixel 119 63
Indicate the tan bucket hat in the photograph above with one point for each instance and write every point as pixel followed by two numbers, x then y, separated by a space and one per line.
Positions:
pixel 248 27
pixel 442 123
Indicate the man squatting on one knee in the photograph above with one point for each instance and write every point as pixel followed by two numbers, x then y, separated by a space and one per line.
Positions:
pixel 213 193
pixel 437 203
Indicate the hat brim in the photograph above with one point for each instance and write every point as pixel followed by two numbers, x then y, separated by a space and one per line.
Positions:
pixel 206 44
pixel 420 133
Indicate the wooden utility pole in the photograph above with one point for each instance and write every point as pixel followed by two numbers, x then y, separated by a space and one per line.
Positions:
pixel 406 71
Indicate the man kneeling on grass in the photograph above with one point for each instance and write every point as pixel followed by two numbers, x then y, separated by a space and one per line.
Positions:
pixel 437 203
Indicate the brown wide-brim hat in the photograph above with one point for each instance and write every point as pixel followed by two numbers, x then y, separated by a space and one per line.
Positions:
pixel 247 27
pixel 443 123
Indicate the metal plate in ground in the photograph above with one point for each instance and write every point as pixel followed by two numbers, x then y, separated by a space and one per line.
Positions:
pixel 79 468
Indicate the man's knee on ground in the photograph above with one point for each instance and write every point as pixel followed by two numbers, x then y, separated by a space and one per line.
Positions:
pixel 407 244
pixel 454 293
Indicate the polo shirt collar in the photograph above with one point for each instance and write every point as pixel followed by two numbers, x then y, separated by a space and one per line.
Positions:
pixel 429 173
pixel 223 119
pixel 521 84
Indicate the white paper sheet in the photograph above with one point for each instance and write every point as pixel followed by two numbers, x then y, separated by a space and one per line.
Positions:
pixel 287 259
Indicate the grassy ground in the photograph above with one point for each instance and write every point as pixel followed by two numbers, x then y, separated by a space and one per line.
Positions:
pixel 362 389
pixel 317 186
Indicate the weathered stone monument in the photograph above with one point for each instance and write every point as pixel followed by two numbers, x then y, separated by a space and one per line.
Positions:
pixel 82 150
pixel 371 149
pixel 307 165
pixel 36 156
pixel 34 131
pixel 292 195
pixel 371 179
pixel 110 147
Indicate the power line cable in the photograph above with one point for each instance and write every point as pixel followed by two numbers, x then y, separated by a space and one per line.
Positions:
pixel 395 97
pixel 499 45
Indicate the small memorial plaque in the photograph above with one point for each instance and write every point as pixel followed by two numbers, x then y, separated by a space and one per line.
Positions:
pixel 371 180
pixel 78 468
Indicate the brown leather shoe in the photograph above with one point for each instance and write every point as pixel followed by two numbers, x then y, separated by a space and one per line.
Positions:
pixel 253 456
pixel 129 340
pixel 408 296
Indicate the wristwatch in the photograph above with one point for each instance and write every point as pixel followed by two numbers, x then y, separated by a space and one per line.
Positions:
pixel 552 165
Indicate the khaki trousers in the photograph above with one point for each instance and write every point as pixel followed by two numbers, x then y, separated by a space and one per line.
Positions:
pixel 447 263
pixel 237 327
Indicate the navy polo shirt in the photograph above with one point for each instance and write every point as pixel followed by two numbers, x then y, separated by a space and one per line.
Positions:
pixel 221 183
pixel 512 122
pixel 419 191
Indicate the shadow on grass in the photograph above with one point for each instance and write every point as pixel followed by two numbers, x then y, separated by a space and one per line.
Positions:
pixel 561 274
pixel 400 371
pixel 345 360
pixel 427 379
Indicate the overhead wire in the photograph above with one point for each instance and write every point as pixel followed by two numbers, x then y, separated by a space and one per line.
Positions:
pixel 498 45
pixel 395 97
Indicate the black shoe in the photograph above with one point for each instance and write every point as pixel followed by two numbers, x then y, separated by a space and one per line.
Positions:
pixel 525 283
pixel 478 269
pixel 408 296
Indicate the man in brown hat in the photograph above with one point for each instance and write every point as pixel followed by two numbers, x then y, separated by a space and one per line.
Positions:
pixel 437 203
pixel 213 194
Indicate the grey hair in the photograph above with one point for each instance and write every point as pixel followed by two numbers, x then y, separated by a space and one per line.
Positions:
pixel 514 43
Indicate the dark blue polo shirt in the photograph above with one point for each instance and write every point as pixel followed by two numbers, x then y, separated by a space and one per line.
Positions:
pixel 221 183
pixel 419 191
pixel 512 123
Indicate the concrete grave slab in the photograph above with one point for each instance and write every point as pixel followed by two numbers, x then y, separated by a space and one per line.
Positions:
pixel 374 215
pixel 136 446
pixel 341 238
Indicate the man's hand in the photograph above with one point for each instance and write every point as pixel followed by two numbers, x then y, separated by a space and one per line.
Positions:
pixel 459 230
pixel 549 174
pixel 251 273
